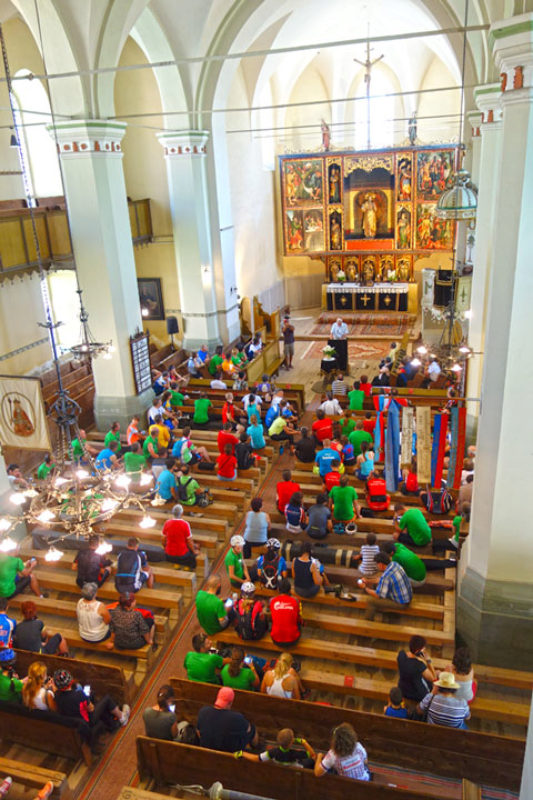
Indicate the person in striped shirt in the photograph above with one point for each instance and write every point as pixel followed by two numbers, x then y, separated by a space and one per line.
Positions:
pixel 367 555
pixel 393 589
pixel 442 706
pixel 346 756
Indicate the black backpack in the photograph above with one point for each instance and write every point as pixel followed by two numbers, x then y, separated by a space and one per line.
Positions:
pixel 437 502
pixel 269 573
pixel 182 489
pixel 249 624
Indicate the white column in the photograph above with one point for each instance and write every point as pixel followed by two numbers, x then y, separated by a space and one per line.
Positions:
pixel 490 129
pixel 496 592
pixel 526 787
pixel 185 155
pixel 91 157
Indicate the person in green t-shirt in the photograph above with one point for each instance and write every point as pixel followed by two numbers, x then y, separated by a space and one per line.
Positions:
pixel 239 674
pixel 210 609
pixel 343 502
pixel 45 468
pixel 346 423
pixel 15 575
pixel 81 447
pixel 358 436
pixel 356 398
pixel 410 526
pixel 413 566
pixel 215 362
pixel 10 685
pixel 185 483
pixel 134 461
pixel 201 409
pixel 176 398
pixel 113 435
pixel 235 566
pixel 150 446
pixel 201 665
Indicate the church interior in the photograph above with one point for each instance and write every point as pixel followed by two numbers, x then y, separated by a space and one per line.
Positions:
pixel 258 257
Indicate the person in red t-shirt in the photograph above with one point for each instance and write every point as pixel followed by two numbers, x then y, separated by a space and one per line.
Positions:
pixel 365 386
pixel 332 478
pixel 322 427
pixel 177 540
pixel 376 492
pixel 285 489
pixel 227 465
pixel 369 423
pixel 225 436
pixel 286 615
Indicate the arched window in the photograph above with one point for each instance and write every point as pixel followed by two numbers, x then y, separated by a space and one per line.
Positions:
pixel 32 114
pixel 381 113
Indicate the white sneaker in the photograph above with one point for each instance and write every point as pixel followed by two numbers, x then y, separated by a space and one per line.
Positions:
pixel 126 710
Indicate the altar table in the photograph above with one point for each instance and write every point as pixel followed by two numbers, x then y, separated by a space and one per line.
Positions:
pixel 355 297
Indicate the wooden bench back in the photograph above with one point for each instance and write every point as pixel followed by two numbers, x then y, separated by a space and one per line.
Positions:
pixel 494 760
pixel 40 733
pixel 170 762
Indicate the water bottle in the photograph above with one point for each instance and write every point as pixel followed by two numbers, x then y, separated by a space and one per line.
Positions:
pixel 5 786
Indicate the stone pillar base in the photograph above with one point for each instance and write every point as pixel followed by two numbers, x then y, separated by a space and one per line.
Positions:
pixel 495 620
pixel 121 409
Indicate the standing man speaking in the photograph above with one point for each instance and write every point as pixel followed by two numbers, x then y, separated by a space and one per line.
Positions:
pixel 338 340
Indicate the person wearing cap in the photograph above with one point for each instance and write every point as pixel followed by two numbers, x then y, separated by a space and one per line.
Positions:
pixel 442 707
pixel 235 566
pixel 221 728
pixel 210 609
pixel 177 539
pixel 271 567
pixel 10 685
pixel 200 663
pixel 250 620
pixel 71 701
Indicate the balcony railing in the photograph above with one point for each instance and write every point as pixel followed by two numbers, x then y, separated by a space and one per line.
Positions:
pixel 17 246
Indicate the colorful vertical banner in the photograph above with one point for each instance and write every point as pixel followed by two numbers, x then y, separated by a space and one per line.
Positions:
pixel 457 446
pixel 379 428
pixel 22 416
pixel 423 444
pixel 407 436
pixel 392 446
pixel 440 428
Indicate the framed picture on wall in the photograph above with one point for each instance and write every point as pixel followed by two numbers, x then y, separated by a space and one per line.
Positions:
pixel 151 298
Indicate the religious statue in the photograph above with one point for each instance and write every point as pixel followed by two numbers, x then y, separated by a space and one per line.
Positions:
pixel 335 231
pixel 404 270
pixel 334 183
pixel 369 271
pixel 351 271
pixel 334 270
pixel 370 220
pixel 326 135
pixel 412 129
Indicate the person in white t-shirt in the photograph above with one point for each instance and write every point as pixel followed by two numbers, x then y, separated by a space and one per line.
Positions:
pixel 331 406
pixel 339 329
pixel 434 370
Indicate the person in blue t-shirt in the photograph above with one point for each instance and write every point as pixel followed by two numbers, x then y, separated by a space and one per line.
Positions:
pixel 324 458
pixel 256 433
pixel 7 625
pixel 271 415
pixel 166 482
pixel 107 458
pixel 395 708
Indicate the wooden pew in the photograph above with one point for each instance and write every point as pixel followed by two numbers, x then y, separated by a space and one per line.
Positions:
pixel 495 760
pixel 41 730
pixel 35 777
pixel 166 763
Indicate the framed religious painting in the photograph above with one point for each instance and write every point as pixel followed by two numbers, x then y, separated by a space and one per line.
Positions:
pixel 368 198
pixel 302 182
pixel 404 217
pixel 151 298
pixel 432 233
pixel 404 177
pixel 313 230
pixel 434 173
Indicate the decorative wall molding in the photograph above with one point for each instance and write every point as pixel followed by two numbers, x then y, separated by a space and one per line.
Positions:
pixel 184 143
pixel 19 350
pixel 94 137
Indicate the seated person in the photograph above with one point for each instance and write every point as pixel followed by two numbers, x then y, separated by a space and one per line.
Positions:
pixel 36 692
pixel 229 414
pixel 160 720
pixel 365 386
pixel 333 477
pixel 306 573
pixel 325 457
pixel 107 458
pixel 343 502
pixel 45 468
pixel 322 427
pixel 16 576
pixel 134 461
pixel 319 518
pixel 31 634
pixel 200 663
pixel 235 565
pixel 416 671
pixel 284 752
pixel 256 432
pixel 346 756
pixel 165 484
pixel 282 680
pixel 271 567
pixel 93 616
pixel 211 611
pixel 177 540
pixel 347 453
pixel 133 570
pixel 113 435
pixel 393 589
pixel 331 406
pixel 220 728
pixel 163 432
pixel 369 424
pixel 250 620
pixel 376 492
pixel 240 384
pixel 7 624
pixel 240 673
pixel 286 616
pixel 10 684
pixel 244 452
pixel 282 430
pixel 365 462
pixel 356 397
pixel 285 489
pixel 410 480
pixel 187 452
pixel 358 436
pixel 338 385
pixel 215 362
pixel 227 366
pixel 92 567
pixel 202 406
pixel 367 556
pixel 226 464
pixel 294 513
pixel 414 567
pixel 410 526
pixel 442 705
pixel 130 629
pixel 194 365
pixel 81 449
pixel 395 707
pixel 187 487
pixel 305 447
pixel 150 445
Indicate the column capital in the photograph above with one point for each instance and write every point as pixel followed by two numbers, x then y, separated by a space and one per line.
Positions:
pixel 184 143
pixel 511 41
pixel 475 119
pixel 488 101
pixel 91 136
